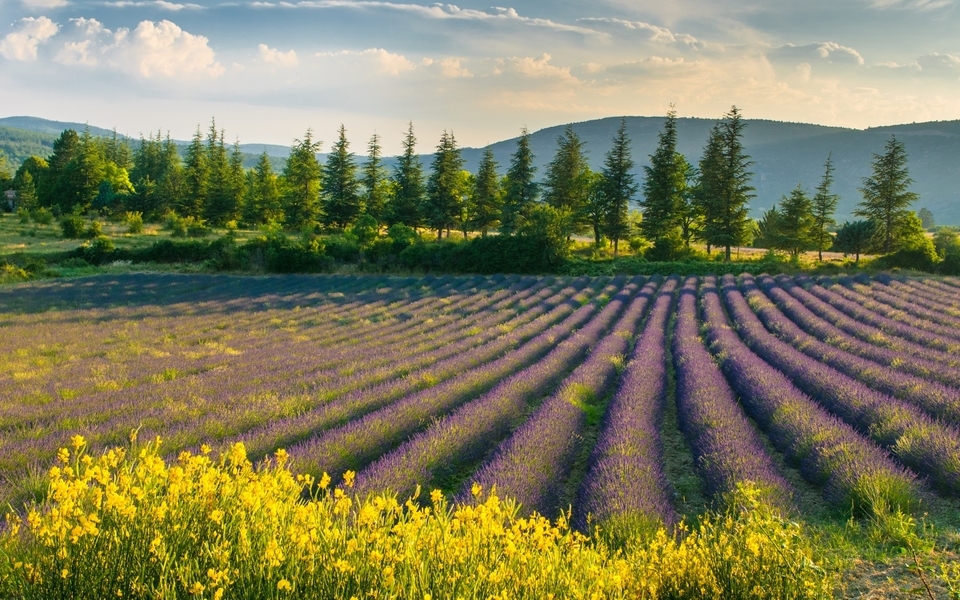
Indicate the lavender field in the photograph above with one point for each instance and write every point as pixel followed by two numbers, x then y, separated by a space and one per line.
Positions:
pixel 561 392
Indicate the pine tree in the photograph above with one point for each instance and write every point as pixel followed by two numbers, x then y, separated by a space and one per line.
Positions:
pixel 221 203
pixel 262 200
pixel 486 201
pixel 444 203
pixel 196 178
pixel 824 205
pixel 664 186
pixel 340 201
pixel 376 186
pixel 520 189
pixel 619 188
pixel 53 189
pixel 567 183
pixel 886 197
pixel 725 185
pixel 26 191
pixel 406 205
pixel 301 183
pixel 796 226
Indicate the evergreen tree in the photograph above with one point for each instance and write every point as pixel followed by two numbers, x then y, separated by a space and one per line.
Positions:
pixel 854 238
pixel 80 181
pixel 520 189
pixel 445 186
pixel 26 191
pixel 664 186
pixel 795 227
pixel 486 201
pixel 340 202
pixel 262 201
pixel 53 189
pixel 689 217
pixel 118 151
pixel 886 197
pixel 926 218
pixel 221 204
pixel 596 207
pixel 725 185
pixel 301 182
pixel 567 183
pixel 824 205
pixel 376 186
pixel 196 179
pixel 619 188
pixel 408 188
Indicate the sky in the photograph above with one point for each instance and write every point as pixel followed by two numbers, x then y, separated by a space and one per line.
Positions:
pixel 267 70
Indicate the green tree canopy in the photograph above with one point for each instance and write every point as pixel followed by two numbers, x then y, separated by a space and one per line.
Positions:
pixel 854 238
pixel 406 204
pixel 196 178
pixel 486 199
pixel 444 203
pixel 520 190
pixel 824 205
pixel 618 187
pixel 376 185
pixel 566 186
pixel 887 197
pixel 664 186
pixel 262 202
pixel 301 182
pixel 340 202
pixel 792 228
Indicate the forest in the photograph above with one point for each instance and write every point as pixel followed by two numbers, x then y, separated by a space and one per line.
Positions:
pixel 677 211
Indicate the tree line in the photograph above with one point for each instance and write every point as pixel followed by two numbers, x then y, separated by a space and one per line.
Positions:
pixel 680 203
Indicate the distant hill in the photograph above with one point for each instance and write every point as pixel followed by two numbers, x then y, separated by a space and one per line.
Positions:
pixel 784 154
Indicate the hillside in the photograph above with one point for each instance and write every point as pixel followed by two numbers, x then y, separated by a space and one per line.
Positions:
pixel 784 154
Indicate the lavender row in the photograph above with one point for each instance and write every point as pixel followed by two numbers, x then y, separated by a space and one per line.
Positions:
pixel 924 293
pixel 725 444
pixel 179 428
pixel 625 480
pixel 909 311
pixel 869 333
pixel 467 433
pixel 937 399
pixel 923 444
pixel 849 303
pixel 854 472
pixel 355 444
pixel 533 463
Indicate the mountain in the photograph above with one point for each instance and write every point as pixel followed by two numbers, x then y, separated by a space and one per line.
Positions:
pixel 784 154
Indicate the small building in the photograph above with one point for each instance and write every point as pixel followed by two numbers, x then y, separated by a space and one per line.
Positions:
pixel 11 196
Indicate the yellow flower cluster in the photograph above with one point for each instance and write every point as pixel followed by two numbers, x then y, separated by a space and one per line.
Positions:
pixel 129 525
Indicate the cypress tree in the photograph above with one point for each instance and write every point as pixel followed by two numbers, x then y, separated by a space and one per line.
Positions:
pixel 341 190
pixel 520 189
pixel 567 182
pixel 886 197
pixel 824 205
pixel 619 187
pixel 406 205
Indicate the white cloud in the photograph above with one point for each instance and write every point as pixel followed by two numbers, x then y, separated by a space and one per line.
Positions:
pixel 273 56
pixel 652 32
pixel 387 63
pixel 453 67
pixel 42 4
pixel 829 52
pixel 23 43
pixel 939 62
pixel 911 4
pixel 151 50
pixel 163 4
pixel 534 68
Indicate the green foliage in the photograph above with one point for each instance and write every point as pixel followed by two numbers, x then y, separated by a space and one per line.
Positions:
pixel 617 188
pixel 98 250
pixel 520 190
pixel 376 186
pixel 926 218
pixel 486 198
pixel 340 200
pixel 186 226
pixel 887 199
pixel 445 187
pixel 824 205
pixel 71 226
pixel 134 222
pixel 93 231
pixel 262 198
pixel 792 227
pixel 566 186
pixel 724 187
pixel 854 238
pixel 408 188
pixel 947 245
pixel 301 183
pixel 365 231
pixel 42 216
pixel 664 187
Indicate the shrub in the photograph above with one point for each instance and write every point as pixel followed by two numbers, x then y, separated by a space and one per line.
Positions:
pixel 23 215
pixel 42 216
pixel 94 231
pixel 98 250
pixel 72 227
pixel 134 221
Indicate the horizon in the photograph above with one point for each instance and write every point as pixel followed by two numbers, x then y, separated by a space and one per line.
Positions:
pixel 269 69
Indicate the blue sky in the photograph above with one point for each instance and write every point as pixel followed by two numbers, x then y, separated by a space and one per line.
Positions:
pixel 268 69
